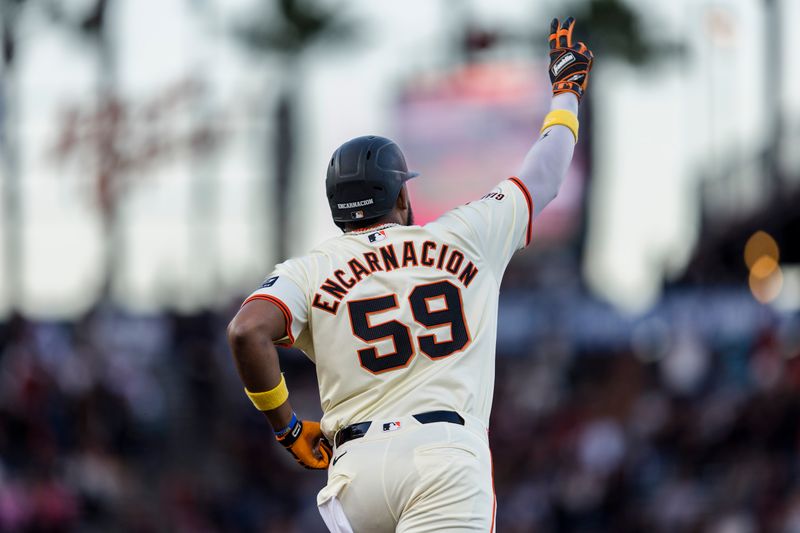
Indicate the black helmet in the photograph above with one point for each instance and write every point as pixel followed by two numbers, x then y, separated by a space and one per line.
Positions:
pixel 365 176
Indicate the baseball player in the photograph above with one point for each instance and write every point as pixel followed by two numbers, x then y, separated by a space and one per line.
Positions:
pixel 401 321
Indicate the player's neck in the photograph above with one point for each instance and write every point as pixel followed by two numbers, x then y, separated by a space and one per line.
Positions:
pixel 391 218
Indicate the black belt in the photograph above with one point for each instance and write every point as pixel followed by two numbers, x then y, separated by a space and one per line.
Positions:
pixel 356 431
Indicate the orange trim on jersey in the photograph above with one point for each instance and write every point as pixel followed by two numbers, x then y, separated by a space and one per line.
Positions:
pixel 516 181
pixel 287 314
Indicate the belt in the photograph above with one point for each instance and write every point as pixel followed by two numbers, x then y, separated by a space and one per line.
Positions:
pixel 356 431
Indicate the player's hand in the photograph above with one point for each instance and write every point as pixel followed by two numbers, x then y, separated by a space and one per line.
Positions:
pixel 570 62
pixel 307 444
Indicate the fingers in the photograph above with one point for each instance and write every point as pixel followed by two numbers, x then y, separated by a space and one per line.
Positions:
pixel 565 33
pixel 322 458
pixel 553 34
pixel 315 458
pixel 325 452
pixel 324 442
pixel 561 33
pixel 325 448
pixel 583 49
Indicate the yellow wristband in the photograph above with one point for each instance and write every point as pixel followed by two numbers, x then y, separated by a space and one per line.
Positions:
pixel 564 118
pixel 269 400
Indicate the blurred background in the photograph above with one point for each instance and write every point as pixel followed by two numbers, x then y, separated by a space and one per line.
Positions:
pixel 158 157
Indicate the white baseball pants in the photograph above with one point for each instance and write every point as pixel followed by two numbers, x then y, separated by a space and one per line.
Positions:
pixel 411 477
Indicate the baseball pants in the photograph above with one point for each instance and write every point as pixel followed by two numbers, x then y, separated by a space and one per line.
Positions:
pixel 407 477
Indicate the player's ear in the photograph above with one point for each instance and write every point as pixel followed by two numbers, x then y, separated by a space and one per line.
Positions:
pixel 402 199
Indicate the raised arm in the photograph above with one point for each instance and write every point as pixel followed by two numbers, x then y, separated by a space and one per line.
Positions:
pixel 546 163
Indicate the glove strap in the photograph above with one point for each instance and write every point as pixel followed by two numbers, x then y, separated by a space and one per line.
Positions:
pixel 562 117
pixel 568 87
pixel 283 431
pixel 269 400
pixel 290 437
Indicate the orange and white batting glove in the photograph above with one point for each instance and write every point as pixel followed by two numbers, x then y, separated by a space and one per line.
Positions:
pixel 305 441
pixel 569 63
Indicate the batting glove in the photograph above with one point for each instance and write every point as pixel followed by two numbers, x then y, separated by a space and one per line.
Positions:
pixel 569 63
pixel 304 440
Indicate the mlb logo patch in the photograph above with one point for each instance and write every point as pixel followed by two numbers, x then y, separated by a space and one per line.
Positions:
pixel 391 426
pixel 377 236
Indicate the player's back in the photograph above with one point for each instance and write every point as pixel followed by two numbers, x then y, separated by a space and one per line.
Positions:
pixel 402 319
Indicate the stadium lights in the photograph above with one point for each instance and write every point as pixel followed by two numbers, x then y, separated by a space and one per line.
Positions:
pixel 761 255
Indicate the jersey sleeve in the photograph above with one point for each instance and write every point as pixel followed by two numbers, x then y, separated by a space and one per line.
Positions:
pixel 283 287
pixel 499 223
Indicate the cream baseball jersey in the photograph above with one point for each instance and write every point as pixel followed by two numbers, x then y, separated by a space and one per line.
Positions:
pixel 403 319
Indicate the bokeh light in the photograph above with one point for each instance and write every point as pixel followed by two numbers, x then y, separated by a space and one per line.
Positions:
pixel 763 267
pixel 760 244
pixel 761 254
pixel 765 289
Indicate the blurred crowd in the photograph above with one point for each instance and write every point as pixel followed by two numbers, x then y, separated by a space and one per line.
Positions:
pixel 120 422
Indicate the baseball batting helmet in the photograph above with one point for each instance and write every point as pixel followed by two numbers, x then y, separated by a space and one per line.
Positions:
pixel 365 176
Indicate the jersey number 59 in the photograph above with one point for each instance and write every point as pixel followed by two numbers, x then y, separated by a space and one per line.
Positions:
pixel 421 298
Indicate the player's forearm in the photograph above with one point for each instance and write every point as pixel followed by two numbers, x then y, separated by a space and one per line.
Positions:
pixel 545 166
pixel 258 366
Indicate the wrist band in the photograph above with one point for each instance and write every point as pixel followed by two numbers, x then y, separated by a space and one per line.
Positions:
pixel 288 438
pixel 564 118
pixel 283 431
pixel 269 400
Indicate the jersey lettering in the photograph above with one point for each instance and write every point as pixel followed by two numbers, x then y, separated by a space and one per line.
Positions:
pixel 339 274
pixel 426 246
pixel 333 288
pixel 442 256
pixel 454 263
pixel 413 254
pixel 372 261
pixel 329 307
pixel 360 311
pixel 359 270
pixel 496 195
pixel 468 274
pixel 409 255
pixel 450 315
pixel 389 258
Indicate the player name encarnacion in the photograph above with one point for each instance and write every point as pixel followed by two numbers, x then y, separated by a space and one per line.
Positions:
pixel 362 203
pixel 390 257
